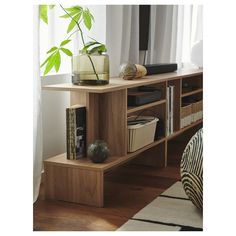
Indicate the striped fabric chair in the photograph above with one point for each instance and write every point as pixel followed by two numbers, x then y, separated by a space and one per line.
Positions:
pixel 191 169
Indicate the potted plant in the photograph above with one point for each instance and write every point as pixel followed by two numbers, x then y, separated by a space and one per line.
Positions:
pixel 91 65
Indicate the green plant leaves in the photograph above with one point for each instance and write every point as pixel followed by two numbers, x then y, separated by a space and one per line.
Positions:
pixel 100 49
pixel 52 50
pixel 77 15
pixel 44 13
pixel 87 18
pixel 57 61
pixel 87 45
pixel 54 60
pixel 74 22
pixel 43 9
pixel 50 64
pixel 94 47
pixel 64 42
pixel 70 15
pixel 67 52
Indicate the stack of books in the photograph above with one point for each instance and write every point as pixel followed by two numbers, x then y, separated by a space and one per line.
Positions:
pixel 170 110
pixel 76 132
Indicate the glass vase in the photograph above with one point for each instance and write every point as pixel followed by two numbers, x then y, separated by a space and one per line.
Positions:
pixel 90 69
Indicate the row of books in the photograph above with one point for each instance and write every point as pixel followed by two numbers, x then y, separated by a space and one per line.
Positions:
pixel 170 110
pixel 76 132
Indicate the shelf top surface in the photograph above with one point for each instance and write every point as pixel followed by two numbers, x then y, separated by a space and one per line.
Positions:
pixel 117 83
pixel 84 163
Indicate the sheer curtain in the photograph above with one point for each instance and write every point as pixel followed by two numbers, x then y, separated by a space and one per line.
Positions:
pixel 122 35
pixel 37 113
pixel 174 29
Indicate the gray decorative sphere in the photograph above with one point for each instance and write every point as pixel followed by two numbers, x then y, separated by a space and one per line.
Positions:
pixel 192 171
pixel 98 151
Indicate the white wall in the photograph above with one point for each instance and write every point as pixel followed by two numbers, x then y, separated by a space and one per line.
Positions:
pixel 54 105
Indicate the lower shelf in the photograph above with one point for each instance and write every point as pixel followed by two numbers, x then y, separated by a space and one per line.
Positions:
pixel 110 163
pixel 184 129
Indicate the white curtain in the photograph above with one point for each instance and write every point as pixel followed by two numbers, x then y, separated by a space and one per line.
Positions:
pixel 174 29
pixel 37 114
pixel 122 35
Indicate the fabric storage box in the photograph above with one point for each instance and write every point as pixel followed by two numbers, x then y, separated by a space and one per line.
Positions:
pixel 197 108
pixel 186 115
pixel 141 132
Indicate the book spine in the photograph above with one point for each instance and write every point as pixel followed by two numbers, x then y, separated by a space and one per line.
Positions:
pixel 67 134
pixel 71 133
pixel 80 134
pixel 171 109
pixel 167 115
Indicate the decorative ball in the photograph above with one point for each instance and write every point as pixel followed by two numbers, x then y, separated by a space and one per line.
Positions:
pixel 191 169
pixel 98 151
pixel 128 71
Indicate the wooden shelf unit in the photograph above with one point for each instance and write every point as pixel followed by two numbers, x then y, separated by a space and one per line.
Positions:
pixel 192 93
pixel 81 181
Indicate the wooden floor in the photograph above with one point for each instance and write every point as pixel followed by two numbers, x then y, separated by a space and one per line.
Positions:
pixel 127 190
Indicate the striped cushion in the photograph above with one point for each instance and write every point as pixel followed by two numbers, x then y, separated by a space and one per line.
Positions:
pixel 191 169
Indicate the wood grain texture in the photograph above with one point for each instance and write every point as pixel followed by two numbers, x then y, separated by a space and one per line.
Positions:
pixel 118 83
pixel 74 185
pixel 113 121
pixel 146 106
pixel 126 191
pixel 91 101
pixel 154 156
pixel 192 92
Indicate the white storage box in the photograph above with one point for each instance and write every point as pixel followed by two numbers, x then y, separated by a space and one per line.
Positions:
pixel 140 135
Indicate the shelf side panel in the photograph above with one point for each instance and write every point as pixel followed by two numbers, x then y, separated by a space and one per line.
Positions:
pixel 113 122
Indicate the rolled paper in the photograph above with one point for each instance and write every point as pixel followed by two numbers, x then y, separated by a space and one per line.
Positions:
pixel 141 71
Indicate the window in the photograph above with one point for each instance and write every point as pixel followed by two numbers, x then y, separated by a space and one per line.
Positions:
pixel 53 33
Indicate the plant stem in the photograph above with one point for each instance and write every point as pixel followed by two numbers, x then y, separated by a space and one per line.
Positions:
pixel 72 33
pixel 82 37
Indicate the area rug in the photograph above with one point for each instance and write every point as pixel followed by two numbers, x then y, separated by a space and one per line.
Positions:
pixel 170 211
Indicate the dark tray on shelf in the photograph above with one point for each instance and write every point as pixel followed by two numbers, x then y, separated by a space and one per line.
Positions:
pixel 137 98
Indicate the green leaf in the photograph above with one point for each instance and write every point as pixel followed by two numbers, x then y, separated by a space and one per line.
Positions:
pixel 70 14
pixel 91 15
pixel 64 42
pixel 51 6
pixel 57 61
pixel 44 13
pixel 67 52
pixel 99 49
pixel 52 50
pixel 87 19
pixel 73 22
pixel 50 63
pixel 46 61
pixel 74 9
pixel 89 44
